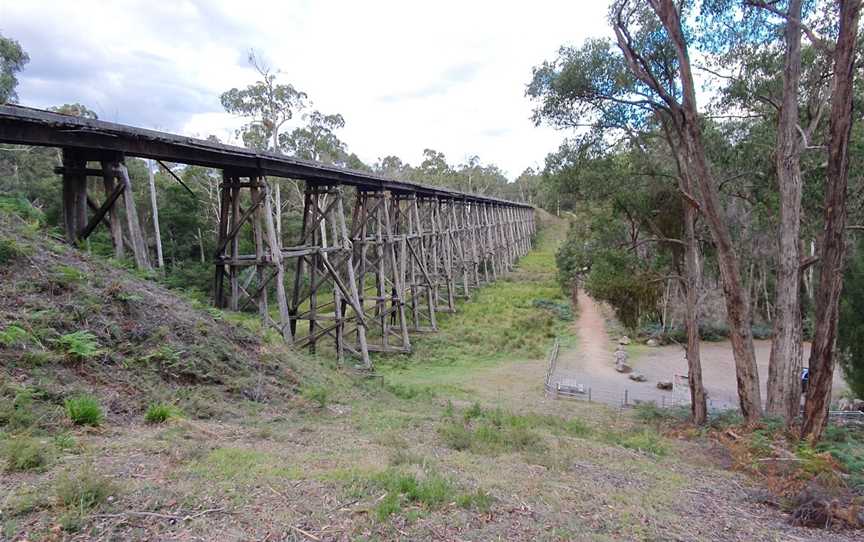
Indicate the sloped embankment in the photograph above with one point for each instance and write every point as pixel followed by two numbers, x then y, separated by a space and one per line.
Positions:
pixel 70 324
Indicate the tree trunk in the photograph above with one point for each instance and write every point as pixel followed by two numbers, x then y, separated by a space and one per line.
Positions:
pixel 784 387
pixel 686 117
pixel 160 262
pixel 693 271
pixel 833 248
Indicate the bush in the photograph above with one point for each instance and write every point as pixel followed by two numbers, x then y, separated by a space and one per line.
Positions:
pixel 159 413
pixel 10 251
pixel 83 491
pixel 79 345
pixel 25 453
pixel 456 436
pixel 18 414
pixel 84 410
pixel 14 335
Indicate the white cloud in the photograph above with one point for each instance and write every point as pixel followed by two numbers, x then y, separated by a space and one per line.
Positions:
pixel 406 76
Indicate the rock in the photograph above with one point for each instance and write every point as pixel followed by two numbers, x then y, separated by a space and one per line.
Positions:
pixel 636 377
pixel 624 340
pixel 664 385
pixel 623 368
pixel 652 342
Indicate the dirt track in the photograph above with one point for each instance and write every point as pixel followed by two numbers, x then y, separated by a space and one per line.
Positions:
pixel 591 364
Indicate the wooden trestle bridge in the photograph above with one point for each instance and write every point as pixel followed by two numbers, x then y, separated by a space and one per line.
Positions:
pixel 370 266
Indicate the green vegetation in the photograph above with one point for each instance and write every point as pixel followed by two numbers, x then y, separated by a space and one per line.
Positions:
pixel 494 432
pixel 84 410
pixel 83 489
pixel 316 394
pixel 851 324
pixel 516 317
pixel 14 335
pixel 25 453
pixel 79 345
pixel 242 466
pixel 160 413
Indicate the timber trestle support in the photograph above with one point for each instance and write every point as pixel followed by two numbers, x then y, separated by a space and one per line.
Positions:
pixel 369 268
pixel 376 259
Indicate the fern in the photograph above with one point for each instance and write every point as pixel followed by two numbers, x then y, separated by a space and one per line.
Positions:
pixel 79 345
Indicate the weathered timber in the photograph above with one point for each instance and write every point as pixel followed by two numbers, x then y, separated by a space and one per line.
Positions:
pixel 408 251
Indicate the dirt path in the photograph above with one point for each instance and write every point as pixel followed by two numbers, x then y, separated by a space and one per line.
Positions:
pixel 591 365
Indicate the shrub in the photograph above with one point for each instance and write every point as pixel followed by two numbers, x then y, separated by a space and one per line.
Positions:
pixel 474 412
pixel 13 335
pixel 159 413
pixel 25 453
pixel 19 205
pixel 84 410
pixel 10 251
pixel 456 436
pixel 83 491
pixel 79 345
pixel 18 413
pixel 67 276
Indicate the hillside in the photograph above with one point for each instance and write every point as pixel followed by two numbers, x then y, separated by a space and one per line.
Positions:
pixel 210 432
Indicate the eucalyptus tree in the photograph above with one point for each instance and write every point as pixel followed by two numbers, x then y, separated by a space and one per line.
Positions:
pixel 13 58
pixel 833 249
pixel 268 103
pixel 594 88
pixel 317 140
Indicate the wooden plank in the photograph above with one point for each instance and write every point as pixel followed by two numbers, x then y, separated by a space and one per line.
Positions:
pixel 102 211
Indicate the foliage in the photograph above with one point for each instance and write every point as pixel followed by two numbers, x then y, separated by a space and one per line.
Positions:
pixel 83 490
pixel 319 395
pixel 12 60
pixel 79 345
pixel 851 325
pixel 19 413
pixel 84 410
pixel 13 335
pixel 25 453
pixel 645 440
pixel 159 413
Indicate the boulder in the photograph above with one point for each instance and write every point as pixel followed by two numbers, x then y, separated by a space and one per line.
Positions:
pixel 636 377
pixel 652 342
pixel 624 340
pixel 664 385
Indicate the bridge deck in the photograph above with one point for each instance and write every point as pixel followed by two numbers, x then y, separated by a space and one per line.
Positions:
pixel 24 125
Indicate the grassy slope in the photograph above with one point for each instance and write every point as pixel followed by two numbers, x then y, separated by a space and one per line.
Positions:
pixel 349 460
pixel 499 324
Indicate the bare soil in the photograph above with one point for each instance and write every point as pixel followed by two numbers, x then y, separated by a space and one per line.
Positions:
pixel 592 364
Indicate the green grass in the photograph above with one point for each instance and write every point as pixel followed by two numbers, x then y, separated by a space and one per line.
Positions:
pixel 83 490
pixel 319 395
pixel 84 410
pixel 396 489
pixel 159 413
pixel 243 466
pixel 25 453
pixel 516 317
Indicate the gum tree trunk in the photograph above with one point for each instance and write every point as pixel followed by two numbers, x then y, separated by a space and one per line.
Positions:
pixel 833 248
pixel 784 387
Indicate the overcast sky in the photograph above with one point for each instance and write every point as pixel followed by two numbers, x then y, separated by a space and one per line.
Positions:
pixel 447 75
